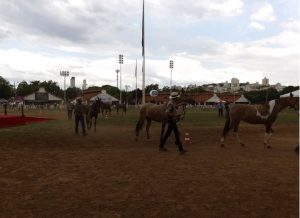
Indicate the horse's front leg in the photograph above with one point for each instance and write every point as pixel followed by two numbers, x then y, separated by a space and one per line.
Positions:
pixel 148 127
pixel 268 135
pixel 163 125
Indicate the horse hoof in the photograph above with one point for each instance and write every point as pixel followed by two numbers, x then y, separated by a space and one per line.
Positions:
pixel 269 147
pixel 242 144
pixel 222 145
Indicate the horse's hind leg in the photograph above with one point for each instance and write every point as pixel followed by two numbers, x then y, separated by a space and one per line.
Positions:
pixel 139 126
pixel 226 129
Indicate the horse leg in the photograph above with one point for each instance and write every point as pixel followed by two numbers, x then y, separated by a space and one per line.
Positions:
pixel 163 125
pixel 139 126
pixel 268 135
pixel 226 129
pixel 235 129
pixel 148 127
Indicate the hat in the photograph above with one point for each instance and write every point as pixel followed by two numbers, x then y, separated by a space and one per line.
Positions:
pixel 174 95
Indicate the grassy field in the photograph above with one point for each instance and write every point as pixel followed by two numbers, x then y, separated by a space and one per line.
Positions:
pixel 48 171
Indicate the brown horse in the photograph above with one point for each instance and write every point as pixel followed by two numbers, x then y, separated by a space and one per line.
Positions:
pixel 256 114
pixel 123 107
pixel 150 111
pixel 105 107
pixel 92 112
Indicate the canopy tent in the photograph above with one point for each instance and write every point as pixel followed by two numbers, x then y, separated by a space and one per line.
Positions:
pixel 42 97
pixel 213 99
pixel 295 94
pixel 105 97
pixel 242 99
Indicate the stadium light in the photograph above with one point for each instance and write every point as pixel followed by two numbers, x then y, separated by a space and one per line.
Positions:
pixel 64 73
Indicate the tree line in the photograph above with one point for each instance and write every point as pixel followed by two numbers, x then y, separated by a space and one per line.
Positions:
pixel 23 88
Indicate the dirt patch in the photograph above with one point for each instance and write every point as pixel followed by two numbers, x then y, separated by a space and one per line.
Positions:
pixel 109 174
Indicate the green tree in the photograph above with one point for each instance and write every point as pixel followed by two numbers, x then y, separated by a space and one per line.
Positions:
pixel 151 87
pixel 113 91
pixel 72 93
pixel 24 89
pixel 52 87
pixel 262 96
pixel 288 89
pixel 6 90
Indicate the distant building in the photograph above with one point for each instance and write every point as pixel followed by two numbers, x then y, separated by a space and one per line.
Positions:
pixel 72 82
pixel 265 82
pixel 235 84
pixel 84 85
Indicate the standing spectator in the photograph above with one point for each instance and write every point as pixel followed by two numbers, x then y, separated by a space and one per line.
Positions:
pixel 172 117
pixel 70 108
pixel 220 108
pixel 5 108
pixel 79 111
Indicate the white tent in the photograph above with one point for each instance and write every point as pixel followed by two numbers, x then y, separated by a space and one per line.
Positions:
pixel 105 97
pixel 213 99
pixel 42 96
pixel 242 99
pixel 295 94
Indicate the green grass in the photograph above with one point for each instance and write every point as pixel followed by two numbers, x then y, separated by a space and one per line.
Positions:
pixel 194 117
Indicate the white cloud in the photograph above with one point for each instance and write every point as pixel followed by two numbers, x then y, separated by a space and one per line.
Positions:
pixel 292 24
pixel 85 37
pixel 265 13
pixel 257 26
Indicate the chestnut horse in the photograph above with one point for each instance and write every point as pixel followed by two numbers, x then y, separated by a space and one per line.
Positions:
pixel 92 112
pixel 150 111
pixel 105 107
pixel 257 114
pixel 123 107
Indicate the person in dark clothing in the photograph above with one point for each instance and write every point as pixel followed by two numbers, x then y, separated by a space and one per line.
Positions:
pixel 70 107
pixel 220 109
pixel 172 117
pixel 79 111
pixel 5 108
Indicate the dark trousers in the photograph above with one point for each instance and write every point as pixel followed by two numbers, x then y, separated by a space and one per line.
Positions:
pixel 172 126
pixel 220 112
pixel 79 119
pixel 70 114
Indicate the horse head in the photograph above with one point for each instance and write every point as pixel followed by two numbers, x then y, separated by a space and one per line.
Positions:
pixel 293 102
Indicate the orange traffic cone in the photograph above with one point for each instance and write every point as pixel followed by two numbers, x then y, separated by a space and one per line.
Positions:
pixel 187 139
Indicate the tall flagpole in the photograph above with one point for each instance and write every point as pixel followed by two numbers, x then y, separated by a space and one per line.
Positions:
pixel 135 82
pixel 143 52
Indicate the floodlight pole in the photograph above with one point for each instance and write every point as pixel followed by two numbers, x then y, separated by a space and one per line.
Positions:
pixel 64 73
pixel 171 67
pixel 121 62
pixel 117 71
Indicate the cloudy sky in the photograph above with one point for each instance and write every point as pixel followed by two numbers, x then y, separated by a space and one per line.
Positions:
pixel 209 40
